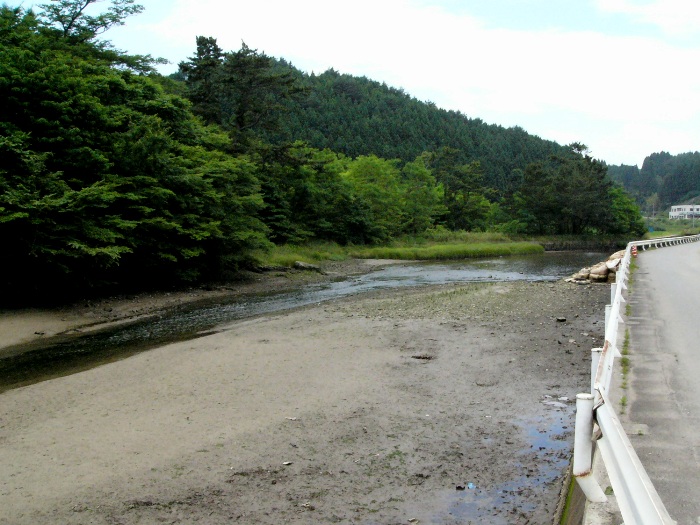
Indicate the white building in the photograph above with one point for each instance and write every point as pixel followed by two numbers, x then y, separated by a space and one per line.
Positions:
pixel 684 211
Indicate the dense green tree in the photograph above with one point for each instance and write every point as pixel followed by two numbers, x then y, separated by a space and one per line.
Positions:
pixel 569 194
pixel 423 197
pixel 104 177
pixel 357 116
pixel 242 91
pixel 626 216
pixel 628 176
pixel 663 180
pixel 466 199
pixel 465 193
pixel 70 17
pixel 377 182
pixel 681 182
pixel 70 21
pixel 202 75
pixel 307 197
pixel 654 168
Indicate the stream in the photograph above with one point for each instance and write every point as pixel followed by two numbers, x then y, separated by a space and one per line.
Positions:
pixel 56 357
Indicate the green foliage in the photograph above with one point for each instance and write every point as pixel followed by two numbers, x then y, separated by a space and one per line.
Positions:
pixel 361 117
pixel 571 194
pixel 662 181
pixel 664 227
pixel 111 179
pixel 423 197
pixel 448 251
pixel 682 180
pixel 626 217
pixel 396 200
pixel 104 177
pixel 241 90
pixel 377 182
pixel 311 252
pixel 474 180
pixel 467 206
pixel 71 18
pixel 440 234
pixel 307 197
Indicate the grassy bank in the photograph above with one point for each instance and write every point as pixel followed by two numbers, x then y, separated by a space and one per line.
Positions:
pixel 441 246
pixel 436 246
pixel 438 252
pixel 665 227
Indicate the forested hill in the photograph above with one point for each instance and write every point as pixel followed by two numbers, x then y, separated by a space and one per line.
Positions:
pixel 662 181
pixel 113 177
pixel 358 116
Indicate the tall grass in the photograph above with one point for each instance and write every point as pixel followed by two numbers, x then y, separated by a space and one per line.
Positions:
pixel 403 249
pixel 665 227
pixel 447 251
pixel 441 234
pixel 287 254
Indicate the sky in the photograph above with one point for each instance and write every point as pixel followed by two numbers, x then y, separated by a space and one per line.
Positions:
pixel 621 76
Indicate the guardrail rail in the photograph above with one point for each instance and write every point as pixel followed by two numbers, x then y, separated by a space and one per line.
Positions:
pixel 597 422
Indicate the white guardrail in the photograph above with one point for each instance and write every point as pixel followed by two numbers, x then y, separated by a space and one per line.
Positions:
pixel 597 422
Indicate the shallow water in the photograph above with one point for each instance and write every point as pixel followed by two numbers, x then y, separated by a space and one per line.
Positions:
pixel 544 460
pixel 30 363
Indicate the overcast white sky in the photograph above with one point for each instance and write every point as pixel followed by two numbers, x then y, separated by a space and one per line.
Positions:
pixel 622 76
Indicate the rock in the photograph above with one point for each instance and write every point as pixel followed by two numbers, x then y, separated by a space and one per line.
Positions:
pixel 599 269
pixel 597 278
pixel 271 268
pixel 603 272
pixel 613 264
pixel 617 255
pixel 583 273
pixel 299 265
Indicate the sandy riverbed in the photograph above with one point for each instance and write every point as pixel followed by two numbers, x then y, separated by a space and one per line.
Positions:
pixel 436 405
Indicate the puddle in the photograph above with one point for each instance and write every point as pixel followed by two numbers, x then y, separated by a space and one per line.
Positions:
pixel 542 462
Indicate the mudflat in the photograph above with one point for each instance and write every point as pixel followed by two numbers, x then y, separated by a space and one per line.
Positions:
pixel 443 404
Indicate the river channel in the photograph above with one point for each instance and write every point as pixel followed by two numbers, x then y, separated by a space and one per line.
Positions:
pixel 58 356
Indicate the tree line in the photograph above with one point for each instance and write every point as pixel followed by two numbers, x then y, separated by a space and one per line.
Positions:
pixel 662 181
pixel 112 175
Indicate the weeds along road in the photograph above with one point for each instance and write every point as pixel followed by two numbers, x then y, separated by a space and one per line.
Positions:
pixel 664 395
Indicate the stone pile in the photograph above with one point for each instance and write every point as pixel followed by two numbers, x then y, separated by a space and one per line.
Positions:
pixel 603 272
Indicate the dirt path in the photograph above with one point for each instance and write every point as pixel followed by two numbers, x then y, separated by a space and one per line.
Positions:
pixel 437 405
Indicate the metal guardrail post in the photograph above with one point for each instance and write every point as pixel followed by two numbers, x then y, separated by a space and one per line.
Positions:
pixel 595 360
pixel 583 450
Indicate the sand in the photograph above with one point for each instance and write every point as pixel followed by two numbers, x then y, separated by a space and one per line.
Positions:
pixel 434 405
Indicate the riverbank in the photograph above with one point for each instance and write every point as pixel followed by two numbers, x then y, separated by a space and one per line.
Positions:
pixel 34 324
pixel 435 405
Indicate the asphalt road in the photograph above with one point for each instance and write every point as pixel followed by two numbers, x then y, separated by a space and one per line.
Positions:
pixel 663 413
